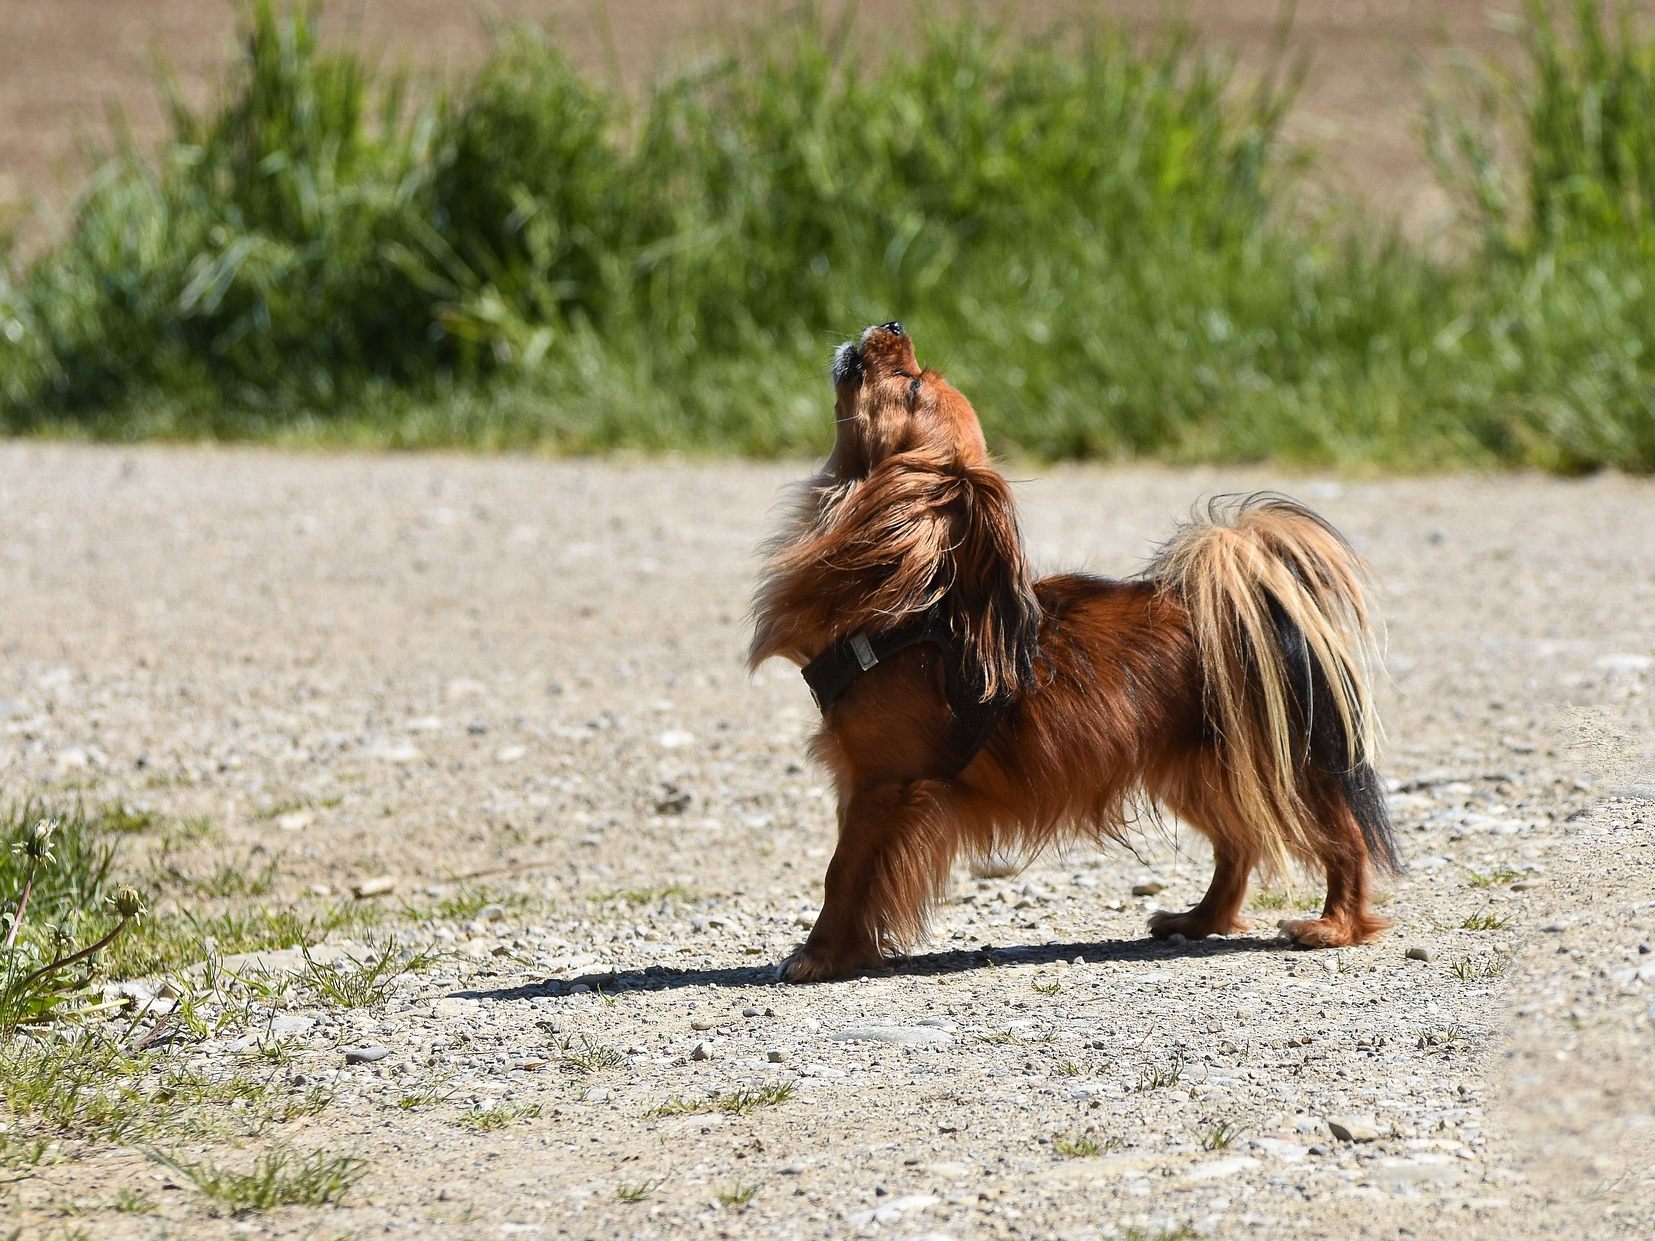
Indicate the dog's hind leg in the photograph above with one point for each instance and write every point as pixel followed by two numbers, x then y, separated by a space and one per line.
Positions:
pixel 1235 854
pixel 1344 854
pixel 896 845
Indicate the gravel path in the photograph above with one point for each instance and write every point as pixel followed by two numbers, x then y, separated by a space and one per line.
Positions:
pixel 525 677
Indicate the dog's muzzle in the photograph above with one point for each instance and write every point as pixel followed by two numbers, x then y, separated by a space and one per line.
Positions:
pixel 847 359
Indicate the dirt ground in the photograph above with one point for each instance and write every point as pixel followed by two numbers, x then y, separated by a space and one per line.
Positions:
pixel 63 63
pixel 449 671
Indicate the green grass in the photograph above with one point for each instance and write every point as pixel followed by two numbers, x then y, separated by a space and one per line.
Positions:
pixel 1103 239
pixel 737 1194
pixel 1084 1145
pixel 488 1119
pixel 59 914
pixel 1269 900
pixel 589 1056
pixel 647 896
pixel 1484 921
pixel 732 1103
pixel 1160 1077
pixel 1481 969
pixel 81 873
pixel 363 982
pixel 464 904
pixel 279 1177
pixel 84 1087
pixel 1497 878
pixel 1219 1136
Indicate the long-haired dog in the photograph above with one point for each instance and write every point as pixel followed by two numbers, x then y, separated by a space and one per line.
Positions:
pixel 968 706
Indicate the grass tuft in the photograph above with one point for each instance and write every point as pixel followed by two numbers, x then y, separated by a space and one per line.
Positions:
pixel 278 1178
pixel 737 1194
pixel 1484 921
pixel 1161 1077
pixel 1220 1136
pixel 362 982
pixel 1084 1145
pixel 590 1056
pixel 1481 969
pixel 488 1119
pixel 733 1103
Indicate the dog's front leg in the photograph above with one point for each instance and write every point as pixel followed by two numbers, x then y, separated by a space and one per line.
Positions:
pixel 894 853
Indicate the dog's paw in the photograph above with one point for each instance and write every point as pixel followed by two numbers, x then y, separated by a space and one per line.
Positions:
pixel 1330 932
pixel 1164 923
pixel 809 965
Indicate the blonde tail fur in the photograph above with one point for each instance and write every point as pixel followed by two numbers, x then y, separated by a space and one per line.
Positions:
pixel 1278 604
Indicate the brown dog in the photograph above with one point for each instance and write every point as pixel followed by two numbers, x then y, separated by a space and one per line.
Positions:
pixel 968 706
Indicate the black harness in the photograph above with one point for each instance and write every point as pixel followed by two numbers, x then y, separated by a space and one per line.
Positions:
pixel 972 720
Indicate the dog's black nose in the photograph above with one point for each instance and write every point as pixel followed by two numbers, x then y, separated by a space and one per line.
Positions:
pixel 894 328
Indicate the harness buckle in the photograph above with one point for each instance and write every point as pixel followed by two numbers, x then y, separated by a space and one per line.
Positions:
pixel 863 650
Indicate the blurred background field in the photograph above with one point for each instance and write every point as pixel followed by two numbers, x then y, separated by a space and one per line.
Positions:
pixel 1170 239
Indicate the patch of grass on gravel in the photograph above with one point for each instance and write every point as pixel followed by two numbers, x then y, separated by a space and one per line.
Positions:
pixel 1271 900
pixel 589 1056
pixel 362 982
pixel 1484 921
pixel 1084 1145
pixel 1481 969
pixel 734 1103
pixel 638 1191
pixel 658 895
pixel 737 1193
pixel 278 1178
pixel 466 903
pixel 132 1202
pixel 1219 1136
pixel 426 1095
pixel 126 818
pixel 1497 878
pixel 1161 1076
pixel 488 1119
pixel 81 1086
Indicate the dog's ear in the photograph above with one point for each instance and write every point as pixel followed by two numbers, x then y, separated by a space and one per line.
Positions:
pixel 916 532
pixel 991 605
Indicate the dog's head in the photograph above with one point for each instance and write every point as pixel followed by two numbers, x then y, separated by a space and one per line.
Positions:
pixel 885 404
pixel 909 514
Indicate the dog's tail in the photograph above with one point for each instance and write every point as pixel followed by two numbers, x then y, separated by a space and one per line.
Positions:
pixel 1278 603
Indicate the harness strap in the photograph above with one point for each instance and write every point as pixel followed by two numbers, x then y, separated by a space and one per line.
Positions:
pixel 972 720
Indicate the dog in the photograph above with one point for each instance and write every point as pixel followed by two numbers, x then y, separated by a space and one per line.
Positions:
pixel 969 707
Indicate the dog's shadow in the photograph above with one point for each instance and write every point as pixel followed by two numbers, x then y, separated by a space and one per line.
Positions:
pixel 957 961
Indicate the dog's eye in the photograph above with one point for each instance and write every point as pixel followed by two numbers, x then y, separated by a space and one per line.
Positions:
pixel 914 385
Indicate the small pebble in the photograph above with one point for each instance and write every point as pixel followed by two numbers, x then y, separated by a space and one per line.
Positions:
pixel 776 1056
pixel 1351 1129
pixel 1147 888
pixel 365 1055
pixel 1419 953
pixel 702 1051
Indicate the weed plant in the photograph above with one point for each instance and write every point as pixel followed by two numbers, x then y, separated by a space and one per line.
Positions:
pixel 279 1177
pixel 51 871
